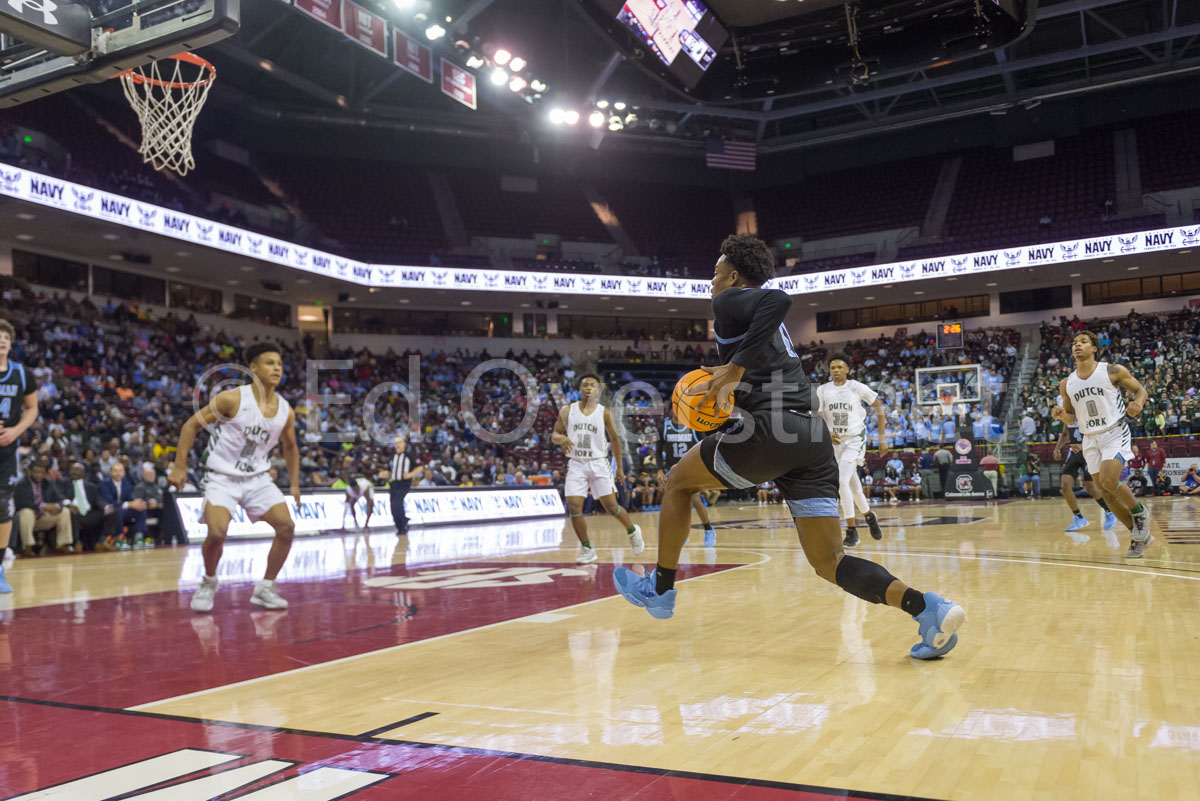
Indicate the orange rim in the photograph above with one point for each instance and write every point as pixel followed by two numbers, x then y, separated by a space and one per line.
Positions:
pixel 190 58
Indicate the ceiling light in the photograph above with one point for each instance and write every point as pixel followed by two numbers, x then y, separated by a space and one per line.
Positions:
pixel 517 64
pixel 1106 261
pixel 618 308
pixel 557 115
pixel 174 269
pixel 619 105
pixel 502 57
pixel 672 310
pixel 524 305
pixel 1075 275
pixel 991 283
pixel 1134 267
pixel 301 280
pixel 449 20
pixel 615 123
pixel 571 117
pixel 475 62
pixel 403 5
pixel 919 292
pixel 183 253
pixel 499 77
pixel 266 65
pixel 869 297
pixel 563 306
pixel 952 278
pixel 517 83
pixel 434 32
pixel 111 237
pixel 404 300
pixel 372 290
pixel 537 85
pixel 812 304
pixel 233 282
pixel 596 119
pixel 247 268
pixel 24 237
pixel 464 303
pixel 351 299
pixel 420 16
pixel 601 104
pixel 25 216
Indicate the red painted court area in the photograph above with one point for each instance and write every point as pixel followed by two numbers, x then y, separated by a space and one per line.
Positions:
pixel 113 753
pixel 122 652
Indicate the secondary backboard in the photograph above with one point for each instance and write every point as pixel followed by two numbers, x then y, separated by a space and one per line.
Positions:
pixel 963 381
pixel 123 35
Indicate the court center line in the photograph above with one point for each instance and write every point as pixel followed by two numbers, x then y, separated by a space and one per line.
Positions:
pixel 390 649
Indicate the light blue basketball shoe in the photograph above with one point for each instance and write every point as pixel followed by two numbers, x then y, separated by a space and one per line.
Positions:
pixel 1079 522
pixel 1110 520
pixel 710 538
pixel 639 591
pixel 4 585
pixel 937 627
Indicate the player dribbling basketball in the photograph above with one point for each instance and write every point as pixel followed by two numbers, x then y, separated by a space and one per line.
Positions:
pixel 778 437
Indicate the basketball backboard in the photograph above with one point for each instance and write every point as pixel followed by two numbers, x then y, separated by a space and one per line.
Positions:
pixel 123 35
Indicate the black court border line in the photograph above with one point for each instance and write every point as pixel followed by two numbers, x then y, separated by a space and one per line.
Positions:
pixel 461 749
pixel 398 724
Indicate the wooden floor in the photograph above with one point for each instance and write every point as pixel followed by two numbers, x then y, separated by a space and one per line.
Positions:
pixel 1076 675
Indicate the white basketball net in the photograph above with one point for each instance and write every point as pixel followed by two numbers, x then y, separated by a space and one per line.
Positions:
pixel 168 107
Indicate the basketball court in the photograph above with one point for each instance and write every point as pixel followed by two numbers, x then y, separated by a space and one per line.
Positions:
pixel 481 662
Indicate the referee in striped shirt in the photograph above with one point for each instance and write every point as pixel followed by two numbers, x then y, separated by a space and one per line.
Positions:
pixel 402 472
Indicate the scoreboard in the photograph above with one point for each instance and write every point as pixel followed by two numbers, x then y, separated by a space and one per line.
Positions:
pixel 950 335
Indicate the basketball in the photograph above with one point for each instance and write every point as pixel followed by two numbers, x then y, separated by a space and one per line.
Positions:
pixel 684 399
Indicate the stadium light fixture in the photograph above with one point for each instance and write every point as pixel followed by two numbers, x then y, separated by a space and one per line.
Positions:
pixel 619 105
pixel 537 85
pixel 499 77
pixel 434 32
pixel 557 115
pixel 517 64
pixel 596 119
pixel 475 62
pixel 601 104
pixel 571 117
pixel 404 5
pixel 615 123
pixel 517 83
pixel 502 57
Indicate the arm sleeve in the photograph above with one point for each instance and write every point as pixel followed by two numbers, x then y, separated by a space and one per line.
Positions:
pixel 767 315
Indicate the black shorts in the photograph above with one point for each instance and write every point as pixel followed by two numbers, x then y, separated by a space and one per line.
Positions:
pixel 9 475
pixel 799 459
pixel 1075 462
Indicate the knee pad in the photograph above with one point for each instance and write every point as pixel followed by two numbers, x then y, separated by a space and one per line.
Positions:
pixel 864 579
pixel 6 508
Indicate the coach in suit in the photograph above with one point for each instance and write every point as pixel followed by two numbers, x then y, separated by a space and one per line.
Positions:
pixel 82 499
pixel 401 474
pixel 120 507
pixel 39 508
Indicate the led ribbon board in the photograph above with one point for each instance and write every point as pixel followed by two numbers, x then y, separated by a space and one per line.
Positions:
pixel 108 207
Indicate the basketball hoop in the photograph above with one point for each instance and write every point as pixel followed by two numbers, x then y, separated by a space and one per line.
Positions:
pixel 946 402
pixel 168 106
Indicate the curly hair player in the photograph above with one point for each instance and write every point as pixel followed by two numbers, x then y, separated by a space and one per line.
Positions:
pixel 778 437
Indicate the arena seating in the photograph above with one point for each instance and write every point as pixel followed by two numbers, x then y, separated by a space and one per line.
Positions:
pixel 1168 152
pixel 682 226
pixel 558 207
pixel 849 201
pixel 1159 349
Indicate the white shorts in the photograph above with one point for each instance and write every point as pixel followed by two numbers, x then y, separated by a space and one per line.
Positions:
pixel 585 474
pixel 852 452
pixel 1115 443
pixel 255 494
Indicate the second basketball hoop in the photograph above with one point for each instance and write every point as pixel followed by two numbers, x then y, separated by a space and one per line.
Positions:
pixel 167 96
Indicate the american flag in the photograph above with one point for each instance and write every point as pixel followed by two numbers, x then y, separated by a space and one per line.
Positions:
pixel 725 155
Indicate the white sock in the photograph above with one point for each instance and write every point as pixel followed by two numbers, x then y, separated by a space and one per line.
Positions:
pixel 266 583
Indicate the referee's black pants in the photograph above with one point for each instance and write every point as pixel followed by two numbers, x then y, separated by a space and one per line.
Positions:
pixel 398 490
